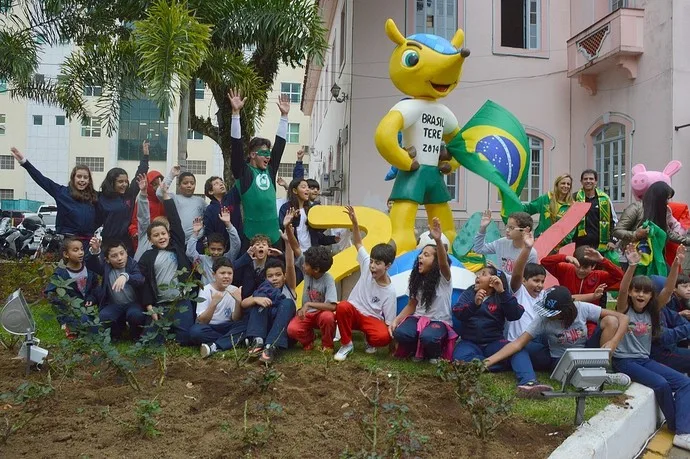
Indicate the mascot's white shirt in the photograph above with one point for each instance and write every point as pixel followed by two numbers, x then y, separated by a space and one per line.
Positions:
pixel 425 124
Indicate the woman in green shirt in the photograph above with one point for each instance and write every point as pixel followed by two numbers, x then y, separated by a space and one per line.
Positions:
pixel 552 205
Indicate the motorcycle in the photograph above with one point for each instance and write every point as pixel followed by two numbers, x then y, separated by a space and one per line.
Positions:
pixel 24 240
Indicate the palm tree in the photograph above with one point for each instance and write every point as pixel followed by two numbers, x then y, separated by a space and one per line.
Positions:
pixel 160 49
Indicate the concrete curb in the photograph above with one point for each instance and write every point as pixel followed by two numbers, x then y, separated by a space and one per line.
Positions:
pixel 616 432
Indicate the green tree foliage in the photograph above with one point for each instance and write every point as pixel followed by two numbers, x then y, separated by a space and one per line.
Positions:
pixel 157 48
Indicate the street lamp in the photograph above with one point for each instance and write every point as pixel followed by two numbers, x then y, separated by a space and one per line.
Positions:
pixel 337 94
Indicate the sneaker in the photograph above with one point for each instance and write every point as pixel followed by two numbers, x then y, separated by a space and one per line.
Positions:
pixel 416 359
pixel 268 354
pixel 68 333
pixel 256 347
pixel 682 441
pixel 343 352
pixel 207 350
pixel 370 349
pixel 619 379
pixel 532 389
pixel 433 361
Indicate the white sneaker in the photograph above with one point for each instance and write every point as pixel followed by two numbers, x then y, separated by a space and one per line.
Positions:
pixel 207 350
pixel 370 349
pixel 682 441
pixel 619 379
pixel 433 361
pixel 343 352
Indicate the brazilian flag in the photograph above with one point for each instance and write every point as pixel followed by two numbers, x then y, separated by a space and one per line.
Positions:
pixel 651 249
pixel 493 144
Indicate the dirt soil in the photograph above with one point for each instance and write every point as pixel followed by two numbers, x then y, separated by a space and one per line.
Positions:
pixel 312 415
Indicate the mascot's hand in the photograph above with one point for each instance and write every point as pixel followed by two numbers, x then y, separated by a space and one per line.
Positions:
pixel 444 167
pixel 444 155
pixel 412 151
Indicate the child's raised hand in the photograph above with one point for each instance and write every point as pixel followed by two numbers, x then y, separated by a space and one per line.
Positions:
pixel 273 252
pixel 250 252
pixel 119 284
pixel 479 296
pixel 435 229
pixel 95 245
pixel 350 211
pixel 175 171
pixel 164 189
pixel 281 182
pixel 225 216
pixel 528 239
pixel 17 154
pixel 486 219
pixel 593 255
pixel 680 254
pixel 572 261
pixel 142 182
pixel 289 215
pixel 300 154
pixel 283 236
pixel 145 147
pixel 600 290
pixel 197 225
pixel 236 100
pixel 632 254
pixel 496 283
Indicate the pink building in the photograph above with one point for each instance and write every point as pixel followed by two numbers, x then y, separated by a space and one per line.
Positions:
pixel 596 83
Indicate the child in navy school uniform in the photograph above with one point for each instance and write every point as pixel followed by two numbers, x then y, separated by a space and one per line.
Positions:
pixel 119 302
pixel 160 266
pixel 84 284
pixel 483 310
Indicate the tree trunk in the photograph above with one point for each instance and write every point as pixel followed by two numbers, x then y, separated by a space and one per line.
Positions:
pixel 183 126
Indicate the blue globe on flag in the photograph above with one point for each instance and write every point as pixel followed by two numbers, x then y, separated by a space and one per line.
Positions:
pixel 504 155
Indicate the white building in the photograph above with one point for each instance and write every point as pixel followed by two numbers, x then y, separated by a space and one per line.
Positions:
pixel 55 144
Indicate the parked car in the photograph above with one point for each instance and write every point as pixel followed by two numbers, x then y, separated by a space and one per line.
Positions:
pixel 48 212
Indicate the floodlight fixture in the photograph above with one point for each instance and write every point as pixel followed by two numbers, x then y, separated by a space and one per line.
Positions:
pixel 585 370
pixel 16 318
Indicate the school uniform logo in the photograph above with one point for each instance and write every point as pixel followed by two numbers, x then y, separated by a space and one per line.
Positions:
pixel 263 182
pixel 375 300
pixel 492 307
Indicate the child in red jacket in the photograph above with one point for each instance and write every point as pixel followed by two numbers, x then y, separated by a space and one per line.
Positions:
pixel 586 275
pixel 154 179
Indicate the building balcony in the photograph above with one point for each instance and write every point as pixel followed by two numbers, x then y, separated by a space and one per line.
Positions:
pixel 615 41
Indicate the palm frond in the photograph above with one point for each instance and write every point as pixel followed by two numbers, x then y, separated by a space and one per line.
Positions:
pixel 171 45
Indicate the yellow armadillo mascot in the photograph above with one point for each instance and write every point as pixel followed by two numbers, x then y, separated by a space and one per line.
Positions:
pixel 426 68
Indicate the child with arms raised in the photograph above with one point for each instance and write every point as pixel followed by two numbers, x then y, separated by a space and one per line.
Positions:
pixel 118 302
pixel 189 207
pixel 272 306
pixel 507 248
pixel 219 323
pixel 84 283
pixel 250 268
pixel 371 307
pixel 160 266
pixel 424 326
pixel 483 310
pixel 216 246
pixel 319 298
pixel 638 300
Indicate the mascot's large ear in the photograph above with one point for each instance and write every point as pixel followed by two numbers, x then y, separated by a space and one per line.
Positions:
pixel 393 32
pixel 672 167
pixel 458 39
pixel 638 169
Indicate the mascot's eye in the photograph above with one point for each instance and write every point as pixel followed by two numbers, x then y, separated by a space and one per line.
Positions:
pixel 410 58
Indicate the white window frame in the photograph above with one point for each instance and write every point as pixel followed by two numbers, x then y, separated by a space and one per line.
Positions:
pixel 3 85
pixel 610 151
pixel 38 118
pixel 451 181
pixel 290 132
pixel 91 127
pixel 199 89
pixel 93 91
pixel 535 172
pixel 194 135
pixel 94 163
pixel 445 24
pixel 532 31
pixel 617 4
pixel 3 123
pixel 6 162
pixel 290 86
pixel 9 195
pixel 195 166
pixel 64 120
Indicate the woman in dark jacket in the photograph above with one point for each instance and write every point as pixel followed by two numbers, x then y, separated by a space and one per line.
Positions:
pixel 298 198
pixel 76 212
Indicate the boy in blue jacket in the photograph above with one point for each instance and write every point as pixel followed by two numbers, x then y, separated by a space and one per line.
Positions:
pixel 483 310
pixel 84 283
pixel 119 303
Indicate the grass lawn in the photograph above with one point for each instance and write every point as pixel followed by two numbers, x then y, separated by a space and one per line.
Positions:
pixel 556 412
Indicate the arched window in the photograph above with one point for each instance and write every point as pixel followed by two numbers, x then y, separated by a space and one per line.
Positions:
pixel 609 159
pixel 535 176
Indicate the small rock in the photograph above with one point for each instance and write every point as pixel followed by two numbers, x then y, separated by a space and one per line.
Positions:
pixel 190 385
pixel 63 437
pixel 439 432
pixel 345 405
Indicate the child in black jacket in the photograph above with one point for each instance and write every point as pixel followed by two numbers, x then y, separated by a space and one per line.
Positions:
pixel 160 265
